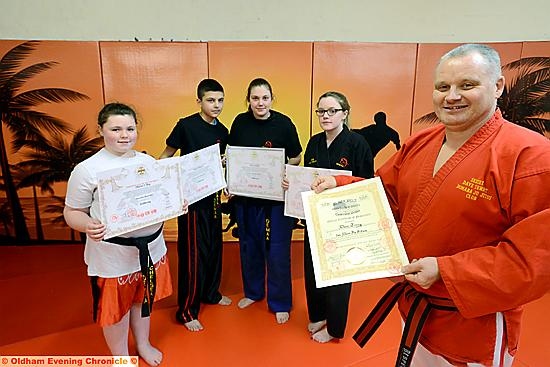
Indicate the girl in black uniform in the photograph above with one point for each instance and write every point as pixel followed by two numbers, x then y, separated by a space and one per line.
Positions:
pixel 264 232
pixel 336 148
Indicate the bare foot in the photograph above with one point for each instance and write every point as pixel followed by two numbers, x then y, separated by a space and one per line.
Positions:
pixel 194 325
pixel 245 302
pixel 314 327
pixel 151 355
pixel 322 336
pixel 225 301
pixel 282 317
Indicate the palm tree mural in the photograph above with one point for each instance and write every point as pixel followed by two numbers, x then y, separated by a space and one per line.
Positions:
pixel 56 208
pixel 5 212
pixel 51 160
pixel 5 218
pixel 19 174
pixel 24 123
pixel 526 98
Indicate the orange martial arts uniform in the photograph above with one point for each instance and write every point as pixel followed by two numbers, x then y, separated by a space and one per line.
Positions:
pixel 117 295
pixel 485 216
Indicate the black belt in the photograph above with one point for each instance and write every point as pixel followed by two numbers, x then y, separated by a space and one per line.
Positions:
pixel 418 313
pixel 147 266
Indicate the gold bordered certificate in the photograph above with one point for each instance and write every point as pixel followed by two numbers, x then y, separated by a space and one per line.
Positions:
pixel 139 195
pixel 202 173
pixel 299 180
pixel 353 234
pixel 255 172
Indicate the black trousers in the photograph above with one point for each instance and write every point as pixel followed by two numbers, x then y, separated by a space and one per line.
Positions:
pixel 327 303
pixel 200 245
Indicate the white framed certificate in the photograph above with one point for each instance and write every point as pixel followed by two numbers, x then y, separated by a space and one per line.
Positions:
pixel 255 172
pixel 353 234
pixel 299 180
pixel 201 173
pixel 139 195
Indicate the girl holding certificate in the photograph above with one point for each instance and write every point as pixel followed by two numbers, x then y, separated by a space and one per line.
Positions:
pixel 336 148
pixel 120 268
pixel 264 231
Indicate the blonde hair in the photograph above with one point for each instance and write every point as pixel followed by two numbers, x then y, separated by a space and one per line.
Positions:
pixel 341 99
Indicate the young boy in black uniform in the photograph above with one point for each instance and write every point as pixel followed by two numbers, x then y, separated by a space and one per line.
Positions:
pixel 199 231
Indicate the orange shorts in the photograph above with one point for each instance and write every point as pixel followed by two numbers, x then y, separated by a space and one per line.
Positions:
pixel 117 295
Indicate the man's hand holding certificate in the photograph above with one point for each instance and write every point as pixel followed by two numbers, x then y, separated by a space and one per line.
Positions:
pixel 353 234
pixel 299 180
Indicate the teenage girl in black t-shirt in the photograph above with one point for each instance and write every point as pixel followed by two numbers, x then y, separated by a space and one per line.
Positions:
pixel 264 232
pixel 336 148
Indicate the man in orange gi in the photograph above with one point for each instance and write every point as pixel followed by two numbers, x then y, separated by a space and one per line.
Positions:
pixel 472 196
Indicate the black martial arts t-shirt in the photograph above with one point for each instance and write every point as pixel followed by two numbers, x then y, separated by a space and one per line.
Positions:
pixel 348 151
pixel 277 131
pixel 192 133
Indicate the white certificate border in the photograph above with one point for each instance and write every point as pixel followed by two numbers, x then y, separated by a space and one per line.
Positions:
pixel 297 169
pixel 170 165
pixel 230 176
pixel 218 166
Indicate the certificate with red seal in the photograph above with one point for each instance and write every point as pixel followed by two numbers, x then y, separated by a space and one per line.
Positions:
pixel 353 234
pixel 255 172
pixel 140 195
pixel 201 173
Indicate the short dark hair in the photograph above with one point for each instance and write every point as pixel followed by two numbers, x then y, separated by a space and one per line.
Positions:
pixel 208 85
pixel 115 109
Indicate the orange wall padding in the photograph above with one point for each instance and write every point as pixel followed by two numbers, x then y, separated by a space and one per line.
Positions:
pixel 159 79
